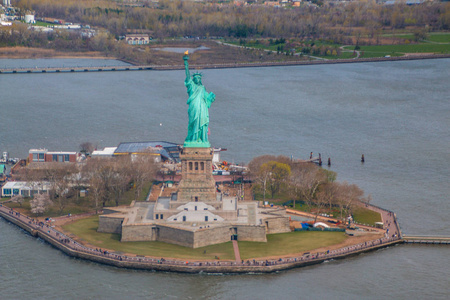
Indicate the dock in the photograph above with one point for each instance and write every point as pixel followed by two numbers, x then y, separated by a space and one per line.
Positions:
pixel 74 69
pixel 426 239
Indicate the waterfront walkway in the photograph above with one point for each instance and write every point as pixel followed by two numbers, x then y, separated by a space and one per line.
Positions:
pixel 76 249
pixel 237 255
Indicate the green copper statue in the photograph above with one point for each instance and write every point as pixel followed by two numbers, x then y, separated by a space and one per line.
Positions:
pixel 199 101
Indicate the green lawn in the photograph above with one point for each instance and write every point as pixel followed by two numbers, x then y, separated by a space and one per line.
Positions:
pixel 366 216
pixel 439 37
pixel 398 50
pixel 86 229
pixel 289 243
pixel 277 244
pixel 345 55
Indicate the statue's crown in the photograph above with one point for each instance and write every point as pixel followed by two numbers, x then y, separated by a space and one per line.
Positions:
pixel 197 74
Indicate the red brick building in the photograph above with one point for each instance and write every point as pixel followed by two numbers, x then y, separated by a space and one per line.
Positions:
pixel 43 155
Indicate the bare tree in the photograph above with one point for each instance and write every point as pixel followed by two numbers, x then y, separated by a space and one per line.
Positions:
pixel 100 173
pixel 347 197
pixel 142 168
pixel 18 199
pixel 326 196
pixel 307 178
pixel 86 148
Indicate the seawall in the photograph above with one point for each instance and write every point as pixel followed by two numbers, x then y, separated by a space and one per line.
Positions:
pixel 137 67
pixel 75 249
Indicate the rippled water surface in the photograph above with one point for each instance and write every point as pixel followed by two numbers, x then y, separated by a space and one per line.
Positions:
pixel 395 113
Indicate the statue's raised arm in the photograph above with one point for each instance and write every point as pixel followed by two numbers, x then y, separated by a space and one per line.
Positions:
pixel 186 66
pixel 199 101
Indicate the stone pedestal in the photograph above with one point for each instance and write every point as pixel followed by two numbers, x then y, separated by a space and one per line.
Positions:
pixel 197 182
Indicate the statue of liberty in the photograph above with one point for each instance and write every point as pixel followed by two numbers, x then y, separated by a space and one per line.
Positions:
pixel 199 101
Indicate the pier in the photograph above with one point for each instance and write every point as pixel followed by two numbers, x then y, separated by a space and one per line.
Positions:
pixel 75 69
pixel 426 239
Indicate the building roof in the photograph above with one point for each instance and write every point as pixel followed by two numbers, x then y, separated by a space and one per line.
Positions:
pixel 166 149
pixel 408 2
pixel 107 151
pixel 26 185
pixel 61 152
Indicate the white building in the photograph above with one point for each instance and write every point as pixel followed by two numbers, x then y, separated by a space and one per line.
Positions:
pixel 24 188
pixel 106 152
pixel 29 19
pixel 137 39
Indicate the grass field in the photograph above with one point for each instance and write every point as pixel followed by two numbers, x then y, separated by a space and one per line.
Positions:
pixel 289 243
pixel 439 38
pixel 399 50
pixel 366 216
pixel 86 229
pixel 277 244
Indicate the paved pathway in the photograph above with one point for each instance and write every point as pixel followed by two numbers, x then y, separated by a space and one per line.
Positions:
pixel 237 255
pixel 389 221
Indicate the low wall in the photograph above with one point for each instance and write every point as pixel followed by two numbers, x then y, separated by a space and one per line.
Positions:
pixel 138 233
pixel 205 237
pixel 251 233
pixel 107 224
pixel 277 225
pixel 176 236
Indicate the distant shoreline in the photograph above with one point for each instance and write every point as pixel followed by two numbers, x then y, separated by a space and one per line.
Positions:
pixel 131 67
pixel 36 53
pixel 299 63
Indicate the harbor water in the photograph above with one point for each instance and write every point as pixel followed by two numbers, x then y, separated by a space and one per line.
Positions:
pixel 395 113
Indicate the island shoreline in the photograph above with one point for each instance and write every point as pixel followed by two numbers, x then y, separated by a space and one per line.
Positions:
pixel 74 249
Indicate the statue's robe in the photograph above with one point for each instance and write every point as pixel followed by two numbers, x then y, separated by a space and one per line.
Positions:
pixel 199 101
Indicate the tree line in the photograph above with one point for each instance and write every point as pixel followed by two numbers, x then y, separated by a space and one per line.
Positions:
pixel 108 182
pixel 315 187
pixel 182 18
pixel 355 23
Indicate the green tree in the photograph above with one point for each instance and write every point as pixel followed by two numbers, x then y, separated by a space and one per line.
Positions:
pixel 277 174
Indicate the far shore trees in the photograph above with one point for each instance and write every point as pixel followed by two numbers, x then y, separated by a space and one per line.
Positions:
pixel 356 23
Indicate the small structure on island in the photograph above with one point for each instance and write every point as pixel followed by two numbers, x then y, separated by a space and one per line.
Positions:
pixel 195 214
pixel 137 39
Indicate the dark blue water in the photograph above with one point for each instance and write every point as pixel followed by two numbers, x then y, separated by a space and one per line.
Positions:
pixel 395 113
